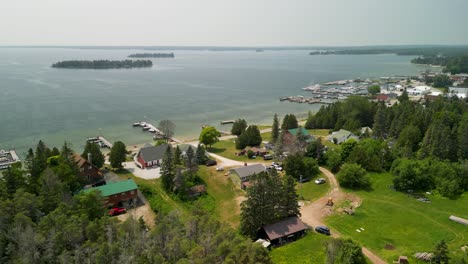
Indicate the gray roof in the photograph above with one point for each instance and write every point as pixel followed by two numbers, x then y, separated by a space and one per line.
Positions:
pixel 284 228
pixel 249 170
pixel 150 153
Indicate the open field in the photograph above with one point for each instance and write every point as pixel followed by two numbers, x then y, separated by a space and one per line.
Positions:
pixel 309 249
pixel 310 191
pixel 395 220
pixel 227 149
pixel 225 195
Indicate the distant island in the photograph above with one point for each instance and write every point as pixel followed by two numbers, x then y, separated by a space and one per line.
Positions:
pixel 326 52
pixel 152 55
pixel 103 64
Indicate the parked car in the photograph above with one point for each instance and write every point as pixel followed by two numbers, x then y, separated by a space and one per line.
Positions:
pixel 219 168
pixel 304 180
pixel 279 168
pixel 117 211
pixel 268 157
pixel 211 163
pixel 320 181
pixel 322 230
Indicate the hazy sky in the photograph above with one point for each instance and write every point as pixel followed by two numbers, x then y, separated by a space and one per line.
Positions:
pixel 233 22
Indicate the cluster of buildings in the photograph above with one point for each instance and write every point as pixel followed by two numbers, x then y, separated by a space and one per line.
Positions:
pixel 7 158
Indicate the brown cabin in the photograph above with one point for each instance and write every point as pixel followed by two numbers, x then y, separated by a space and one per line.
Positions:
pixel 89 173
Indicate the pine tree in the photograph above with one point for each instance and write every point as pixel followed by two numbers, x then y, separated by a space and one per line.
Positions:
pixel 177 156
pixel 290 198
pixel 463 138
pixel 97 158
pixel 379 122
pixel 275 129
pixel 441 253
pixel 66 152
pixel 190 162
pixel 238 127
pixel 167 169
pixel 178 182
pixel 118 154
pixel 252 136
pixel 200 156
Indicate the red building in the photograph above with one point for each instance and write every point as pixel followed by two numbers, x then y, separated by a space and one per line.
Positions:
pixel 117 194
pixel 150 156
pixel 88 172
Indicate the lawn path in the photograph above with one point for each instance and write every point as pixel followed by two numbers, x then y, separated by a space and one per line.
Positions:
pixel 314 213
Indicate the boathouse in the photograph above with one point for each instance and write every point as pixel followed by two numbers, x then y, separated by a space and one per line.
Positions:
pixel 149 156
pixel 284 231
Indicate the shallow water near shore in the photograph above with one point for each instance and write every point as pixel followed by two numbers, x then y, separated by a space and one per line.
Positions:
pixel 194 88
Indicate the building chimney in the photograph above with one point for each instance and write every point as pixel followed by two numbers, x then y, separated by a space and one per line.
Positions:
pixel 89 158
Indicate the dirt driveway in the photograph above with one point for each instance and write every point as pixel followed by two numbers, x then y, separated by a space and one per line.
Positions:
pixel 313 214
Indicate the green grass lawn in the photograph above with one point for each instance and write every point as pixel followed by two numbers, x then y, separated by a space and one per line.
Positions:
pixel 393 218
pixel 224 194
pixel 266 136
pixel 227 149
pixel 309 249
pixel 310 191
pixel 319 132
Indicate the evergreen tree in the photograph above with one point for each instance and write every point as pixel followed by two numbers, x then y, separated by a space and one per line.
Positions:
pixel 13 179
pixel 379 129
pixel 190 161
pixel 238 127
pixel 441 253
pixel 200 156
pixel 275 129
pixel 178 182
pixel 97 158
pixel 177 160
pixel 67 152
pixel 279 146
pixel 167 170
pixel 118 154
pixel 404 97
pixel 290 199
pixel 242 141
pixel 463 137
pixel 289 122
pixel 253 136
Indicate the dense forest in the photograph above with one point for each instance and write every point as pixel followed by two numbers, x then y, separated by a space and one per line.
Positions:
pixel 424 145
pixel 46 219
pixel 103 64
pixel 152 55
pixel 454 65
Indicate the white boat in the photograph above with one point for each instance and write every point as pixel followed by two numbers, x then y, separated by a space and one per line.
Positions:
pixel 136 124
pixel 152 130
pixel 146 127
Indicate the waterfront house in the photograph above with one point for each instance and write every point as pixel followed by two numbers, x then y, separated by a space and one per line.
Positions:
pixel 245 172
pixel 149 156
pixel 284 231
pixel 117 194
pixel 89 173
pixel 341 136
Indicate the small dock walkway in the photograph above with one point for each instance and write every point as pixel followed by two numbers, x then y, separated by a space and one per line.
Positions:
pixel 105 142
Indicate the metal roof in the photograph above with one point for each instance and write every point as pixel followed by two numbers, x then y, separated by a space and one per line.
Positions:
pixel 115 187
pixel 286 227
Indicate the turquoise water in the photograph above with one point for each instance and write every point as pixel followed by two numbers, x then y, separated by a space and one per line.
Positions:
pixel 195 88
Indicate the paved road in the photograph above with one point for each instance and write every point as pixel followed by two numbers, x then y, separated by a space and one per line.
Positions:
pixel 314 213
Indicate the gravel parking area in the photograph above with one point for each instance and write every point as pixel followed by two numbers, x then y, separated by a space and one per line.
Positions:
pixel 147 174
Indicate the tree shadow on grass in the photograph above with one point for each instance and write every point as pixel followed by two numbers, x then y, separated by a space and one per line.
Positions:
pixel 216 150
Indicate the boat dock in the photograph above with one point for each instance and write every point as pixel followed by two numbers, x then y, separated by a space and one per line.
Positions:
pixel 228 122
pixel 7 158
pixel 302 100
pixel 105 142
pixel 158 134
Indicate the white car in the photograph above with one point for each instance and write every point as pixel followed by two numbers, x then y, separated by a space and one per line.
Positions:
pixel 320 181
pixel 219 168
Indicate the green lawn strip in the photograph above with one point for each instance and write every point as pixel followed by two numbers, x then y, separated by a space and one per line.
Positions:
pixel 309 249
pixel 158 199
pixel 310 191
pixel 223 193
pixel 266 136
pixel 393 218
pixel 227 149
pixel 319 132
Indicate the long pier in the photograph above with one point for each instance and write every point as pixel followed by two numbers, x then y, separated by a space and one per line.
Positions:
pixel 105 142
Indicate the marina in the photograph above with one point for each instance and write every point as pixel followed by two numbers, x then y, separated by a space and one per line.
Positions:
pixel 157 134
pixel 7 158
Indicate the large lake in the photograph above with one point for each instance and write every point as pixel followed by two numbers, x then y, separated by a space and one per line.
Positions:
pixel 195 88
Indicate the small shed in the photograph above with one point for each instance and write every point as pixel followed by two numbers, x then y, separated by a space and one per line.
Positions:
pixel 284 231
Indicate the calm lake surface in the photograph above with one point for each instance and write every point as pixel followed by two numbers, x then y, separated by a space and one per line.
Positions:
pixel 195 88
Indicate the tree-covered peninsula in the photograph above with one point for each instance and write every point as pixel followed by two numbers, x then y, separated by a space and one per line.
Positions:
pixel 152 55
pixel 103 64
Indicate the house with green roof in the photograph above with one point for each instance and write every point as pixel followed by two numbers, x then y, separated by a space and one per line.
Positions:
pixel 341 136
pixel 119 193
pixel 291 135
